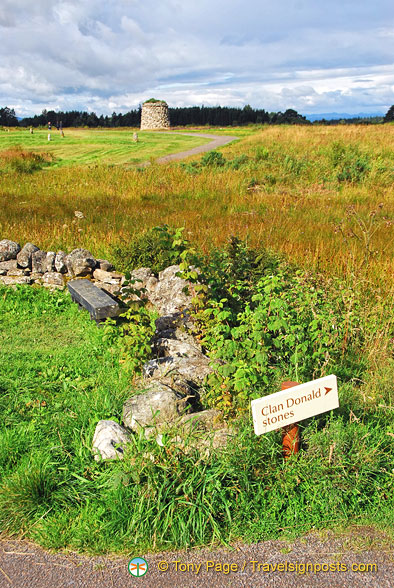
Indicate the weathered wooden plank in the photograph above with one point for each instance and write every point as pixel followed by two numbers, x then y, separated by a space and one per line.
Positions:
pixel 94 300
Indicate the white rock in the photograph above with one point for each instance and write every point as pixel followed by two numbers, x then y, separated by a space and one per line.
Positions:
pixel 109 441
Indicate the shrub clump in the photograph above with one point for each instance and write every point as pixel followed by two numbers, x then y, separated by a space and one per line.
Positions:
pixel 153 248
pixel 20 160
pixel 155 101
pixel 350 164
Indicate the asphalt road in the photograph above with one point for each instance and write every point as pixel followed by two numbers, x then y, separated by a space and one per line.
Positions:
pixel 332 563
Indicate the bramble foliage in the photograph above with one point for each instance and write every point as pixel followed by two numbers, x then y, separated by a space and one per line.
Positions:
pixel 132 331
pixel 290 328
pixel 261 321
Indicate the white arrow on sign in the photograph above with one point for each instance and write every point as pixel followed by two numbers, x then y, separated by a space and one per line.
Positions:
pixel 294 404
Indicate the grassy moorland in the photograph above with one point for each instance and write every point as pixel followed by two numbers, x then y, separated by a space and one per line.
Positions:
pixel 306 291
pixel 321 195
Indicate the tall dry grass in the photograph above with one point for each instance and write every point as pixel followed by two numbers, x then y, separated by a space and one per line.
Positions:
pixel 285 196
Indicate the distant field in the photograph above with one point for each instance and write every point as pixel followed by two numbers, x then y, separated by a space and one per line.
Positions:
pixel 321 195
pixel 91 146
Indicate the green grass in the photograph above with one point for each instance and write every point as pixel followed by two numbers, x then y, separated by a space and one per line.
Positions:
pixel 92 146
pixel 58 378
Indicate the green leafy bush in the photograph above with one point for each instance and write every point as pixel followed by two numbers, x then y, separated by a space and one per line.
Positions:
pixel 132 332
pixel 350 164
pixel 153 248
pixel 154 101
pixel 213 159
pixel 287 326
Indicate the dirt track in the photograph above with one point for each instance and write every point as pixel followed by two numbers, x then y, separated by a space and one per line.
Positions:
pixel 23 565
pixel 217 141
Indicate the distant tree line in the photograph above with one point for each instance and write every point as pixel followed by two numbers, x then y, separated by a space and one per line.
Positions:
pixel 357 120
pixel 8 118
pixel 221 116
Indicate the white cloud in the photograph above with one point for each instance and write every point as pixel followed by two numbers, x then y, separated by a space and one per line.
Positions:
pixel 105 55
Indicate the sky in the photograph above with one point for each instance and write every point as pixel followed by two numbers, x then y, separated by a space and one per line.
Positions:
pixel 111 55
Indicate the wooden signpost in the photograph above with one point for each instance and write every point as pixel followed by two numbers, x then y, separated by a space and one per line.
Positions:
pixel 294 403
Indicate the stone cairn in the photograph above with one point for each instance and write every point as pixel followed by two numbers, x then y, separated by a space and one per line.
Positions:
pixel 171 386
pixel 154 115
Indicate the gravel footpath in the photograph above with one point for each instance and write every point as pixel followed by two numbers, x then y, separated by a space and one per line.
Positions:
pixel 217 141
pixel 282 565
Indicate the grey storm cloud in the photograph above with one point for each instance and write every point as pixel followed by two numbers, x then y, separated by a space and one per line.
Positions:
pixel 105 55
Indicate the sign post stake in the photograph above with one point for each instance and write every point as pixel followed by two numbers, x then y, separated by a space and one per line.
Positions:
pixel 291 438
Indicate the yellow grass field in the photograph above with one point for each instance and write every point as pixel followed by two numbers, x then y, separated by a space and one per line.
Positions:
pixel 321 195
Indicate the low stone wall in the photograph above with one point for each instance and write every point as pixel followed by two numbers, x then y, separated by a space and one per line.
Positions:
pixel 154 115
pixel 30 265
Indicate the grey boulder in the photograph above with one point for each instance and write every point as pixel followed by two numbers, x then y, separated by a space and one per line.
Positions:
pixel 50 261
pixel 194 369
pixel 6 266
pixel 109 441
pixel 60 262
pixel 80 263
pixel 25 254
pixel 114 278
pixel 53 279
pixel 39 262
pixel 170 293
pixel 8 249
pixel 174 347
pixel 15 280
pixel 157 405
pixel 105 265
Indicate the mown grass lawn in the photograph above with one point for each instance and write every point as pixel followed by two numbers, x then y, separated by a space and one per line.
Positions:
pixel 93 146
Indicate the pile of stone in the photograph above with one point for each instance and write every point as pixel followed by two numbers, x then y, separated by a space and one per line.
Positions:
pixel 29 265
pixel 154 115
pixel 171 389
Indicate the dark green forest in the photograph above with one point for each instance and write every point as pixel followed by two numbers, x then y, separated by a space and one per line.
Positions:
pixel 221 116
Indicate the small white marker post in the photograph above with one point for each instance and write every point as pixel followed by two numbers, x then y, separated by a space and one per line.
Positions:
pixel 294 403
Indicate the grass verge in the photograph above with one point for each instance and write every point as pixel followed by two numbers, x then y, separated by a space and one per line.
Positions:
pixel 59 377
